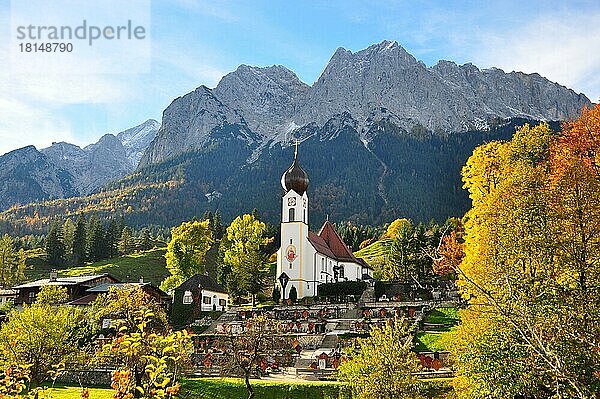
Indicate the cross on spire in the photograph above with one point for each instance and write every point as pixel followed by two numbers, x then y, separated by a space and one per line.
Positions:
pixel 296 144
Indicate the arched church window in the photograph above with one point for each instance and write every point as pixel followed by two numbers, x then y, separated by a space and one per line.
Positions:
pixel 292 215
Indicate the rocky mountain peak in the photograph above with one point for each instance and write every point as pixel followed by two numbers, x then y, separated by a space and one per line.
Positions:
pixel 380 82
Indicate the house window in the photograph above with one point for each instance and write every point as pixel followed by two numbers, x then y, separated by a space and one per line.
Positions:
pixel 222 302
pixel 187 298
pixel 292 215
pixel 207 300
pixel 31 297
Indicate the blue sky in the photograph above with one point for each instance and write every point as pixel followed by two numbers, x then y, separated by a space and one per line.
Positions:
pixel 197 42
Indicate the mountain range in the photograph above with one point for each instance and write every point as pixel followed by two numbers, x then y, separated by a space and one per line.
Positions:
pixel 383 136
pixel 67 170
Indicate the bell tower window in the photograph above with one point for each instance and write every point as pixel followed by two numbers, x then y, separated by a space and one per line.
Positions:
pixel 292 215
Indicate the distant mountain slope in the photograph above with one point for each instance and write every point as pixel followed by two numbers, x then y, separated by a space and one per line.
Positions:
pixel 66 170
pixel 28 175
pixel 382 135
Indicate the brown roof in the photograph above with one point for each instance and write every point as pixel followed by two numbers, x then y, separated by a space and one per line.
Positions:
pixel 329 243
pixel 86 300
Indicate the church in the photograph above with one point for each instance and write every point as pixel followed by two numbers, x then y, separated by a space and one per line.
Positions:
pixel 306 259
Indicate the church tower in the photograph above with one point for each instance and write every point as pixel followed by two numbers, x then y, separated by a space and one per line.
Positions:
pixel 292 257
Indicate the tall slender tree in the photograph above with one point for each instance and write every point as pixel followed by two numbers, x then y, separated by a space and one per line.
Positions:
pixel 55 249
pixel 79 241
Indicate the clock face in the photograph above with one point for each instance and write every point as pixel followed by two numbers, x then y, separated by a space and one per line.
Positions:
pixel 292 201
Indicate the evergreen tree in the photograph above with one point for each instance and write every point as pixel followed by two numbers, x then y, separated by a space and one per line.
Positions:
pixel 146 241
pixel 293 296
pixel 127 242
pixel 55 248
pixel 68 237
pixel 112 239
pixel 12 263
pixel 218 229
pixel 276 295
pixel 96 248
pixel 79 241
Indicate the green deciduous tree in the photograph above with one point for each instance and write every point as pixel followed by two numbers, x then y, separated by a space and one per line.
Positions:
pixel 42 336
pixel 186 251
pixel 149 363
pixel 52 295
pixel 244 254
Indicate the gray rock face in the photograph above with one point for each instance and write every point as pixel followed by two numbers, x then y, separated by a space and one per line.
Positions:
pixel 187 124
pixel 110 158
pixel 137 139
pixel 26 174
pixel 66 170
pixel 382 81
pixel 267 97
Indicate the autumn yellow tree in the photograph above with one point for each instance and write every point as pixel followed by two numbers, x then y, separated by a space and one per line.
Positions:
pixel 531 266
pixel 384 365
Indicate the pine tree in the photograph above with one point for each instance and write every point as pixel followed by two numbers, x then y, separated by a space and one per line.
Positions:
pixel 112 239
pixel 127 242
pixel 218 229
pixel 68 237
pixel 12 263
pixel 79 241
pixel 95 240
pixel 146 240
pixel 55 248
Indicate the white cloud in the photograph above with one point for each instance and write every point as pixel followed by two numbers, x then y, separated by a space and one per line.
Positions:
pixel 564 48
pixel 22 124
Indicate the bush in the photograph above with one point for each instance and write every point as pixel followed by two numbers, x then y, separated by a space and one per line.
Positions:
pixel 293 294
pixel 341 289
pixel 276 295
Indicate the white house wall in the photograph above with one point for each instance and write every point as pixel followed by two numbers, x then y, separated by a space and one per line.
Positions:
pixel 214 300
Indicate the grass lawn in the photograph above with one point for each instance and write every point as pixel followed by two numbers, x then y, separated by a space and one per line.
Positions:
pixel 376 252
pixel 429 341
pixel 148 264
pixel 233 388
pixel 70 392
pixel 447 316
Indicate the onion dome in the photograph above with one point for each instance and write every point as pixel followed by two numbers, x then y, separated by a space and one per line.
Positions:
pixel 295 178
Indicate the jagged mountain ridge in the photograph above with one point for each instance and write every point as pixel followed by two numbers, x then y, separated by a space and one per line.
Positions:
pixel 383 135
pixel 382 82
pixel 66 170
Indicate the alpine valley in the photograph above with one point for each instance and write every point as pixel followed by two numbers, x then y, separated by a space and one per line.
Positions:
pixel 382 136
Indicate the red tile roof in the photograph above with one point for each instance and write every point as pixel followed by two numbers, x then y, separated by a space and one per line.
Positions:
pixel 329 243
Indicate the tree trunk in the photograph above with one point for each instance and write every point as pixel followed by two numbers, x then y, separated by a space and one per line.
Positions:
pixel 248 386
pixel 253 300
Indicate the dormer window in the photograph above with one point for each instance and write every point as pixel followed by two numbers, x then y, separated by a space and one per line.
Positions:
pixel 187 298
